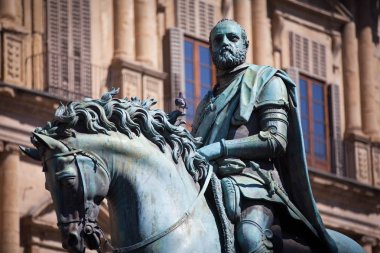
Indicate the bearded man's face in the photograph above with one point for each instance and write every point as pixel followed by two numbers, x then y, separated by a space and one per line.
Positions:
pixel 228 48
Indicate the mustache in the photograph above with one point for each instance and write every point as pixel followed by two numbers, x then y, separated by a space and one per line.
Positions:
pixel 226 48
pixel 233 58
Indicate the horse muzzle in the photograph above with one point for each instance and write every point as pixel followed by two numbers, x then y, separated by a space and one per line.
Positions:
pixel 74 243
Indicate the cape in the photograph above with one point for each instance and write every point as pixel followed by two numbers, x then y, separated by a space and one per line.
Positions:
pixel 292 166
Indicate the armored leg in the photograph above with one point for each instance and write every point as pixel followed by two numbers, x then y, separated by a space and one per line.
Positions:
pixel 253 231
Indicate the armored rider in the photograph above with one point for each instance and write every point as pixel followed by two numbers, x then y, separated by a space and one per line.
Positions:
pixel 251 132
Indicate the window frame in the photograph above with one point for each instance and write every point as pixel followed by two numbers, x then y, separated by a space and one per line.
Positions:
pixel 196 70
pixel 312 159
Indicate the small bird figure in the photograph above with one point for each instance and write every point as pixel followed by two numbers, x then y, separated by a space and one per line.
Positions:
pixel 180 101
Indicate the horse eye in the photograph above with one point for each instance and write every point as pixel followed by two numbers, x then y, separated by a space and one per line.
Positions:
pixel 68 182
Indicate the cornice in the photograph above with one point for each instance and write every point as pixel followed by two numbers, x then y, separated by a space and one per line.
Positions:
pixel 344 192
pixel 331 15
pixel 141 68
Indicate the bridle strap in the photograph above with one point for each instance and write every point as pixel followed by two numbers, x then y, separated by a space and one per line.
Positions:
pixel 178 223
pixel 153 237
pixel 96 160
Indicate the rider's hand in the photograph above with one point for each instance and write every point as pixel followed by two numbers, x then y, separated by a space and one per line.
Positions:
pixel 230 166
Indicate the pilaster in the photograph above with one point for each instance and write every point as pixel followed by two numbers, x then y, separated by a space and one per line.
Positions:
pixel 351 80
pixel 9 200
pixel 146 32
pixel 124 29
pixel 242 15
pixel 367 83
pixel 262 46
pixel 134 79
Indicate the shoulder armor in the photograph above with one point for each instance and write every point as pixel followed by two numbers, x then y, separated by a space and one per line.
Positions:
pixel 274 92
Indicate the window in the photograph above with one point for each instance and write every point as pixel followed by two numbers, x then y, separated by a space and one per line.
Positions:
pixel 198 74
pixel 68 53
pixel 314 118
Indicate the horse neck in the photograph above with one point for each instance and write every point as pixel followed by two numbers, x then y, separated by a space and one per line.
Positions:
pixel 148 191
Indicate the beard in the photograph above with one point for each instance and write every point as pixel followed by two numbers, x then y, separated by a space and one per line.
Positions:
pixel 227 58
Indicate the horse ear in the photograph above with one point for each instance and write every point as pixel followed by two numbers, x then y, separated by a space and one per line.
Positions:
pixel 31 152
pixel 50 142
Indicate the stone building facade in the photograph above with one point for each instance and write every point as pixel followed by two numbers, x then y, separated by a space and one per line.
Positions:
pixel 60 50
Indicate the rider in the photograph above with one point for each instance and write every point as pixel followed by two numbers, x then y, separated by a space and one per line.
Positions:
pixel 250 130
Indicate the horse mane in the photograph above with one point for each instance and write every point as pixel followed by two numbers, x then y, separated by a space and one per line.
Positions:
pixel 131 117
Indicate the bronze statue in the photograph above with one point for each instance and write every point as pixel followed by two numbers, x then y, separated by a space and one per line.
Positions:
pixel 252 135
pixel 155 181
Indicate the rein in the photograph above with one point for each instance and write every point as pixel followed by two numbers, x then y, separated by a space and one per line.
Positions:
pixel 146 241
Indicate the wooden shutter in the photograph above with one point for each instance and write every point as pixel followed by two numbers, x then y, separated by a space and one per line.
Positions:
pixel 57 46
pixel 203 19
pixel 69 48
pixel 336 130
pixel 82 47
pixel 195 17
pixel 206 14
pixel 181 14
pixel 174 65
pixel 308 56
pixel 186 11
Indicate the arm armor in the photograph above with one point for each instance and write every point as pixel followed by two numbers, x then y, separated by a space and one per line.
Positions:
pixel 270 142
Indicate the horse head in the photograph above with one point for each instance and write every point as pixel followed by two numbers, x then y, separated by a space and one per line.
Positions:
pixel 77 181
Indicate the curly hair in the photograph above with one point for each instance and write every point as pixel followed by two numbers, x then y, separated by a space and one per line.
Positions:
pixel 131 117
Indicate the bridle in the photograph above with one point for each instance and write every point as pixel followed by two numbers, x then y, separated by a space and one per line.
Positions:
pixel 88 221
pixel 90 224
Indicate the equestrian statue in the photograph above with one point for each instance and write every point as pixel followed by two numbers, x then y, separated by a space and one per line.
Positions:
pixel 238 183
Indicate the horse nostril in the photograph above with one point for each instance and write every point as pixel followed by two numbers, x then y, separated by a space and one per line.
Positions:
pixel 73 239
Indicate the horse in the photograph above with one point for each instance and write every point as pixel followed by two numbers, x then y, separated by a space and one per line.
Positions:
pixel 146 167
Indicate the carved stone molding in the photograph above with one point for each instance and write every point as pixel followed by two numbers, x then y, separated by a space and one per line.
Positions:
pixel 368 240
pixel 11 147
pixel 358 158
pixel 135 79
pixel 13 59
pixel 375 153
pixel 131 83
pixel 368 243
pixel 153 88
pixel 8 147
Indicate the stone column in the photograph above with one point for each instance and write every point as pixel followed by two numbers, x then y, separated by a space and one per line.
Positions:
pixel 277 34
pixel 242 15
pixel 228 9
pixel 9 10
pixel 351 80
pixel 124 29
pixel 146 32
pixel 38 45
pixel 9 200
pixel 262 41
pixel 367 83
